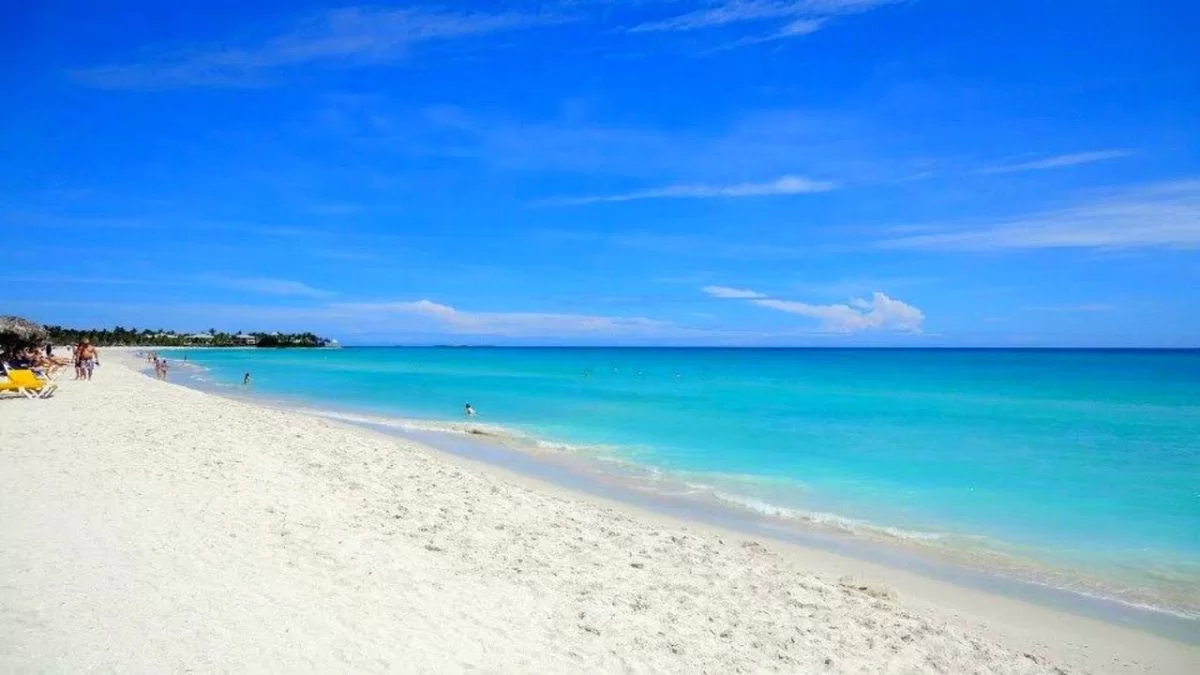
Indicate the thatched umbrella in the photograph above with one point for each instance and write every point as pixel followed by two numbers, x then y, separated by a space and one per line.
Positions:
pixel 16 333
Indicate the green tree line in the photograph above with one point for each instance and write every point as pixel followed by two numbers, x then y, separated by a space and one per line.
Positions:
pixel 121 336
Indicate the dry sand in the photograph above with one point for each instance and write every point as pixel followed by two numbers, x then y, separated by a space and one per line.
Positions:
pixel 149 527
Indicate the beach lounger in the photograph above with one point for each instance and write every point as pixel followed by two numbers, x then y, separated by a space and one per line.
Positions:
pixel 50 374
pixel 27 384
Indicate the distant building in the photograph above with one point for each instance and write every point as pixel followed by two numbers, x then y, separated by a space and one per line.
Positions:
pixel 202 337
pixel 246 339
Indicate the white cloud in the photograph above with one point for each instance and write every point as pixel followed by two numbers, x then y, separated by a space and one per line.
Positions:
pixel 721 15
pixel 266 286
pixel 797 28
pixel 800 27
pixel 1166 215
pixel 737 293
pixel 879 312
pixel 362 35
pixel 1059 161
pixel 424 307
pixel 739 11
pixel 513 324
pixel 372 35
pixel 786 185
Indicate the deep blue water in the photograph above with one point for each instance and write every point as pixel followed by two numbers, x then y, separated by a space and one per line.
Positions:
pixel 1076 468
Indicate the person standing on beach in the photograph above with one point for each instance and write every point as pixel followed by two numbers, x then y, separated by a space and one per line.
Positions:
pixel 88 359
pixel 162 369
pixel 78 357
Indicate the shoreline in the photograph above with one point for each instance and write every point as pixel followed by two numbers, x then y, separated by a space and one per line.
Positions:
pixel 183 449
pixel 879 555
pixel 989 568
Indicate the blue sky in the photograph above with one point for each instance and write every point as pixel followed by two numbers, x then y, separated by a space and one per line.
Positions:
pixel 821 172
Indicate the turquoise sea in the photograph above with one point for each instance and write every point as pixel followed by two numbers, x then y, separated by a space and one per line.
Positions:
pixel 1077 469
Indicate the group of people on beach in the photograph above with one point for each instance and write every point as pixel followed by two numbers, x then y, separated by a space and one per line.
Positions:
pixel 160 365
pixel 39 359
pixel 42 361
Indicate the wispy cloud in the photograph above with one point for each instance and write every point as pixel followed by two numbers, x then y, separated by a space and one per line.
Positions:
pixel 1059 161
pixel 265 286
pixel 44 218
pixel 286 232
pixel 335 209
pixel 1086 307
pixel 341 254
pixel 758 144
pixel 721 15
pixel 786 185
pixel 802 17
pixel 856 286
pixel 879 312
pixel 343 36
pixel 733 293
pixel 738 11
pixel 691 245
pixel 513 324
pixel 372 35
pixel 78 279
pixel 1165 215
pixel 797 28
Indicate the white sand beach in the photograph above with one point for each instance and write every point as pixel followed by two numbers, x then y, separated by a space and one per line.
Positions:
pixel 147 527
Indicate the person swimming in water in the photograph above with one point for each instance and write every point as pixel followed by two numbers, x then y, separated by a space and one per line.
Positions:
pixel 246 379
pixel 469 411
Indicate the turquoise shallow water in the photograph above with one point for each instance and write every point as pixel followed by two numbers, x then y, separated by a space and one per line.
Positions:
pixel 1078 469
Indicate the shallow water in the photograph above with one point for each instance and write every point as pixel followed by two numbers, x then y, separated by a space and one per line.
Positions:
pixel 1075 469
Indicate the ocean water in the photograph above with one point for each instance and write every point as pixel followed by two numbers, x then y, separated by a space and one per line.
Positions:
pixel 1075 469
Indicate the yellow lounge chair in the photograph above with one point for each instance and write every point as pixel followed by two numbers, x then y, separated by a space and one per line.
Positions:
pixel 24 382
